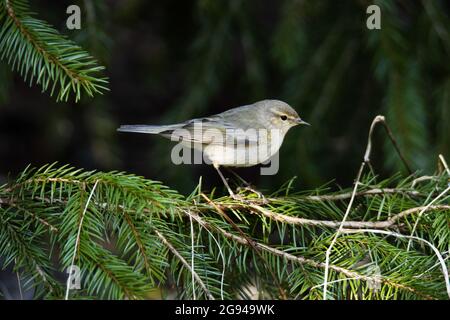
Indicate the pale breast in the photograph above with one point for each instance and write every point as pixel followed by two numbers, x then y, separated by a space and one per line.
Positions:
pixel 244 155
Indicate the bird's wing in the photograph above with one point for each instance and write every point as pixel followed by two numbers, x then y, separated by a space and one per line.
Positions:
pixel 217 130
pixel 211 130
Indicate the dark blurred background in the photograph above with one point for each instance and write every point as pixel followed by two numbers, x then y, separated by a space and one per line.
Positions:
pixel 172 60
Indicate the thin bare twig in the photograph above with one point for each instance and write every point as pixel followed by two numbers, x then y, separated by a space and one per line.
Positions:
pixel 341 226
pixel 222 256
pixel 346 195
pixel 381 119
pixel 77 241
pixel 435 265
pixel 19 284
pixel 368 152
pixel 277 252
pixel 366 160
pixel 378 119
pixel 297 259
pixel 399 235
pixel 185 263
pixel 192 257
pixel 347 224
pixel 444 163
pixel 420 179
pixel 394 143
pixel 423 210
pixel 383 224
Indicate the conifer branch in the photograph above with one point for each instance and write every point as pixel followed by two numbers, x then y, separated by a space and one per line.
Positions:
pixel 126 208
pixel 42 55
pixel 298 259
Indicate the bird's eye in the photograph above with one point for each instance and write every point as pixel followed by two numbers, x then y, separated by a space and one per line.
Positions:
pixel 284 118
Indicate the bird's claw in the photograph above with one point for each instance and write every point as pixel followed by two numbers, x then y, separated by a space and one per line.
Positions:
pixel 238 197
pixel 261 198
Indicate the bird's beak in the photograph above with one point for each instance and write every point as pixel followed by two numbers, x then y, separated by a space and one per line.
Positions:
pixel 300 121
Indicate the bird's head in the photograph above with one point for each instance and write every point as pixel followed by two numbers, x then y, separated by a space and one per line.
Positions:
pixel 281 115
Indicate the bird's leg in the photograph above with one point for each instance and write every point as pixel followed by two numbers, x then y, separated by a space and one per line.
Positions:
pixel 232 194
pixel 248 185
pixel 258 193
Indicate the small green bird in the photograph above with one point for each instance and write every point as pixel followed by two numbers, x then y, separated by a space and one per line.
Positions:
pixel 240 137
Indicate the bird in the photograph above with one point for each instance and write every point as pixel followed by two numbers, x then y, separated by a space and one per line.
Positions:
pixel 239 137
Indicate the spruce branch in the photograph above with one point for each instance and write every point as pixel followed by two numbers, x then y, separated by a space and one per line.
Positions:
pixel 120 255
pixel 250 242
pixel 298 259
pixel 43 56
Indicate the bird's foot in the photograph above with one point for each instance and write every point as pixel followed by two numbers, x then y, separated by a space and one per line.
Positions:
pixel 238 197
pixel 261 198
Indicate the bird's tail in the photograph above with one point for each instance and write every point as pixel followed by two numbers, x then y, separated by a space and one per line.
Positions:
pixel 143 128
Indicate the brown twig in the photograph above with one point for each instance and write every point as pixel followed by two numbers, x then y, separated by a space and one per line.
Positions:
pixel 366 160
pixel 384 224
pixel 394 142
pixel 296 259
pixel 339 196
pixel 34 216
pixel 347 195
